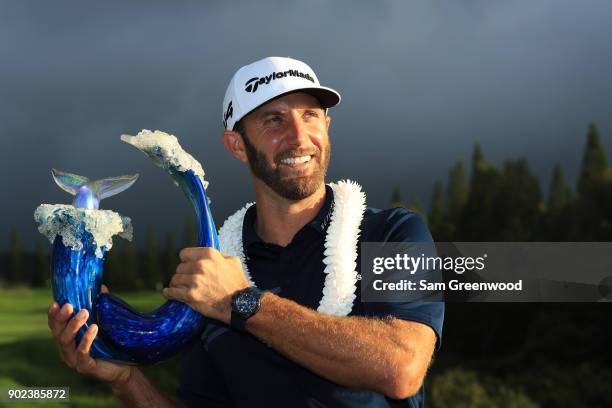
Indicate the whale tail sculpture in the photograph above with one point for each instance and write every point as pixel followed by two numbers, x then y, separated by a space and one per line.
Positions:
pixel 89 193
pixel 81 238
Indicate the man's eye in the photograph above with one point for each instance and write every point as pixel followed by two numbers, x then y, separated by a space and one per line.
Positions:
pixel 274 120
pixel 312 114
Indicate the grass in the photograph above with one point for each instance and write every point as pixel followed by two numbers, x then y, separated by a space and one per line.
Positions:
pixel 29 357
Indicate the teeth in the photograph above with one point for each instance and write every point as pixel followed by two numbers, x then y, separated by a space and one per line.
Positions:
pixel 296 160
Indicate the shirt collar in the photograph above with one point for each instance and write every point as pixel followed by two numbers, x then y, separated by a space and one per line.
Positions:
pixel 319 223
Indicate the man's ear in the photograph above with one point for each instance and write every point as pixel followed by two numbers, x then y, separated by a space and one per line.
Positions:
pixel 234 144
pixel 327 121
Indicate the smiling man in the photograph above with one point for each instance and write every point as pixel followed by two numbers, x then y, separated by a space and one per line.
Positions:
pixel 286 325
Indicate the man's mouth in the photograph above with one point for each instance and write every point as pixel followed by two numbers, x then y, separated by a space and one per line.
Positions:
pixel 296 160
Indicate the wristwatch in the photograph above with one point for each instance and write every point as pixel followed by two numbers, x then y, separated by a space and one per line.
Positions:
pixel 245 303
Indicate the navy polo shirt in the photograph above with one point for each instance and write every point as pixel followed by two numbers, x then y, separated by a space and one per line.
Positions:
pixel 230 368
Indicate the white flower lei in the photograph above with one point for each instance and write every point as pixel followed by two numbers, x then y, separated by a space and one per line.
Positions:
pixel 340 252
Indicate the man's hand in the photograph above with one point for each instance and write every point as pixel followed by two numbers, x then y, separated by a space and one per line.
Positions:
pixel 64 330
pixel 206 280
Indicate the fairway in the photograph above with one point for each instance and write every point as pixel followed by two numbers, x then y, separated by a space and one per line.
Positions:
pixel 28 355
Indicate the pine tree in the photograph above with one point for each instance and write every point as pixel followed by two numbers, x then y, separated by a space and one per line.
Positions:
pixel 477 155
pixel 41 275
pixel 113 272
pixel 560 193
pixel 15 261
pixel 396 199
pixel 517 204
pixel 457 190
pixel 477 221
pixel 416 206
pixel 171 259
pixel 191 233
pixel 152 271
pixel 440 228
pixel 436 212
pixel 594 162
pixel 131 277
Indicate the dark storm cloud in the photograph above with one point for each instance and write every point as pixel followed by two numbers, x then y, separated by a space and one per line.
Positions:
pixel 420 81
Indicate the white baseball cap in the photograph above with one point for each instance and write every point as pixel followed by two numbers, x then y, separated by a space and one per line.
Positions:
pixel 263 80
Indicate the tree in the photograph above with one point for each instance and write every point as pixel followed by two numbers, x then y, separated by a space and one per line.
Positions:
pixel 416 206
pixel 396 198
pixel 15 260
pixel 437 202
pixel 437 219
pixel 191 233
pixel 171 259
pixel 477 221
pixel 41 275
pixel 130 276
pixel 560 193
pixel 113 272
pixel 477 154
pixel 593 199
pixel 594 162
pixel 152 272
pixel 457 190
pixel 517 205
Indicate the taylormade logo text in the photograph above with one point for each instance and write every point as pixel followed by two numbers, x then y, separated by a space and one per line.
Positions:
pixel 252 84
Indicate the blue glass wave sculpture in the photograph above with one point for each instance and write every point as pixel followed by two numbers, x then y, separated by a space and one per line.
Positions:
pixel 82 234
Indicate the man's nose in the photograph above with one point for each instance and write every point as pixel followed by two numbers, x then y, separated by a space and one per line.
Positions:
pixel 298 131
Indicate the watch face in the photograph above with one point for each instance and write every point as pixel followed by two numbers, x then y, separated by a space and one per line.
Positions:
pixel 246 303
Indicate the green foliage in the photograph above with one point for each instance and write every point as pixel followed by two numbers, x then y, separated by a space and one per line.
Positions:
pixel 15 261
pixel 121 268
pixel 396 198
pixel 477 155
pixel 477 220
pixel 457 190
pixel 437 203
pixel 152 269
pixel 416 206
pixel 113 271
pixel 507 205
pixel 594 162
pixel 191 234
pixel 130 268
pixel 438 219
pixel 560 193
pixel 517 205
pixel 457 388
pixel 41 274
pixel 170 259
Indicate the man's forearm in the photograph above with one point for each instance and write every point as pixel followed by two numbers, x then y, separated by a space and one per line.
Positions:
pixel 356 352
pixel 137 391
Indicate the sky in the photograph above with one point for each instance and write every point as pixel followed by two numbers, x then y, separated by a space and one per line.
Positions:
pixel 420 81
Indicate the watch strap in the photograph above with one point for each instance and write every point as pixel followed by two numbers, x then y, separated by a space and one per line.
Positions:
pixel 237 321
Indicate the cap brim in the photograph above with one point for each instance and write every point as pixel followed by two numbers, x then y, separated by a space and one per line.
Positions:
pixel 326 96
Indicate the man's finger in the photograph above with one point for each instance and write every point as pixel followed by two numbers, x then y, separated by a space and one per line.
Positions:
pixel 195 253
pixel 188 268
pixel 179 294
pixel 182 280
pixel 84 361
pixel 60 319
pixel 53 311
pixel 67 336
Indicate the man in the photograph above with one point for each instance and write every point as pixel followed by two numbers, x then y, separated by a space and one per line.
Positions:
pixel 302 337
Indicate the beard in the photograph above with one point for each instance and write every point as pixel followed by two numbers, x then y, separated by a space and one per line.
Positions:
pixel 294 188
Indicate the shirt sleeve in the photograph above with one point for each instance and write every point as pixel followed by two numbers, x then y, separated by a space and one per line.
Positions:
pixel 402 225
